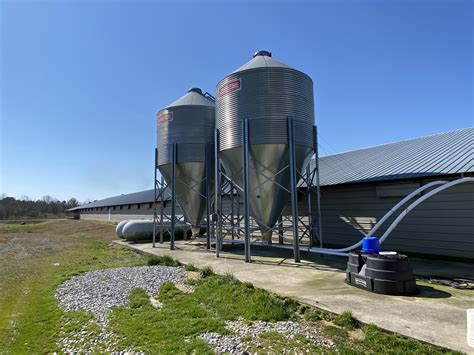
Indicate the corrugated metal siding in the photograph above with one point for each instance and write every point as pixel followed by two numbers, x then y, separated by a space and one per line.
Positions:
pixel 442 225
pixel 440 154
pixel 436 155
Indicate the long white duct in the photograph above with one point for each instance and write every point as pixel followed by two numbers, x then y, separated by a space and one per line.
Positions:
pixel 444 185
pixel 386 216
pixel 420 200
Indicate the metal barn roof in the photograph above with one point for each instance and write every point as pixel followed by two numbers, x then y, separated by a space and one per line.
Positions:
pixel 436 155
pixel 439 154
pixel 146 196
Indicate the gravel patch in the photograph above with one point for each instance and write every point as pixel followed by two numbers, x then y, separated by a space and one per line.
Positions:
pixel 233 344
pixel 97 292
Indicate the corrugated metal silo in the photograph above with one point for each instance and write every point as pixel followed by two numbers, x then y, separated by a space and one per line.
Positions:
pixel 267 93
pixel 189 123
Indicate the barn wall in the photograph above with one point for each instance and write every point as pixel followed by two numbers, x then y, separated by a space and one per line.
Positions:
pixel 442 225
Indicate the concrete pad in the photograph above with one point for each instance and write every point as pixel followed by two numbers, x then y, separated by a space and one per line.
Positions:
pixel 437 314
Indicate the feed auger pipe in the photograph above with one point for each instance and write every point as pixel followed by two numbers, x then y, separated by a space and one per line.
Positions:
pixel 407 210
pixel 444 185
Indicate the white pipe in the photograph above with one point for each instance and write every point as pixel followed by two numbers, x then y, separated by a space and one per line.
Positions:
pixel 401 203
pixel 420 200
pixel 384 218
pixel 314 250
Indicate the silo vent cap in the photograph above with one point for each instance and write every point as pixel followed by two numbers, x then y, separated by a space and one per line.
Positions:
pixel 199 91
pixel 262 53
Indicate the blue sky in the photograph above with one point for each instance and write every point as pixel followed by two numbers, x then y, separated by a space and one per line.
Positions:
pixel 81 81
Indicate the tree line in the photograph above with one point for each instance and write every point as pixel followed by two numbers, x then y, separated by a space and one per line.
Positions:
pixel 46 207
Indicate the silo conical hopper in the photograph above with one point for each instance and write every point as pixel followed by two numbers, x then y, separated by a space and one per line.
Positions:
pixel 188 122
pixel 266 92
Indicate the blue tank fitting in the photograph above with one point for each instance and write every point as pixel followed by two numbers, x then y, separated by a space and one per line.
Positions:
pixel 370 245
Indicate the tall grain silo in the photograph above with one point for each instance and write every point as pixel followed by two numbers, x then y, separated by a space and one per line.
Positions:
pixel 188 123
pixel 267 93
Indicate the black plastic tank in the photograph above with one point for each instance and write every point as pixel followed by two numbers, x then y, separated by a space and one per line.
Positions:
pixel 385 273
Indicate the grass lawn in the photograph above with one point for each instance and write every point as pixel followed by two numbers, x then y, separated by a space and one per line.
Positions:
pixel 30 318
pixel 35 259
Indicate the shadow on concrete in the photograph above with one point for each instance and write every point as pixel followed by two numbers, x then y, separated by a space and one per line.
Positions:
pixel 425 291
pixel 284 257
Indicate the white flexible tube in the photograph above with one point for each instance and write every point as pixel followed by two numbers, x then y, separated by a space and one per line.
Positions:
pixel 401 203
pixel 383 219
pixel 315 250
pixel 420 200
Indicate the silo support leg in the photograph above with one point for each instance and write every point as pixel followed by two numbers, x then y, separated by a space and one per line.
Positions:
pixel 162 201
pixel 208 196
pixel 173 196
pixel 294 198
pixel 245 159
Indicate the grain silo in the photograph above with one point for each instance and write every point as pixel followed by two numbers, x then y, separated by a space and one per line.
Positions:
pixel 185 133
pixel 266 93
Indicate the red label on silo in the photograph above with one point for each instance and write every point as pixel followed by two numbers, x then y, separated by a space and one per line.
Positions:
pixel 229 87
pixel 165 117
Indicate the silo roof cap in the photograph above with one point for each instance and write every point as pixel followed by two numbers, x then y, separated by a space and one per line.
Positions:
pixel 198 90
pixel 262 53
pixel 194 97
pixel 262 59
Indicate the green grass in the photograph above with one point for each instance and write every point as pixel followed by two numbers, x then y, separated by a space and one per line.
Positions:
pixel 31 320
pixel 172 329
pixel 379 341
pixel 164 260
pixel 184 316
pixel 25 227
pixel 41 317
pixel 346 320
pixel 314 315
pixel 230 299
pixel 339 335
pixel 206 272
pixel 190 267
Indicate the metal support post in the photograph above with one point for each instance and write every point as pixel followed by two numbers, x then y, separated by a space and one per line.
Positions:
pixel 294 196
pixel 310 206
pixel 208 195
pixel 245 160
pixel 162 203
pixel 280 229
pixel 217 193
pixel 220 221
pixel 232 223
pixel 173 195
pixel 318 190
pixel 238 213
pixel 154 199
